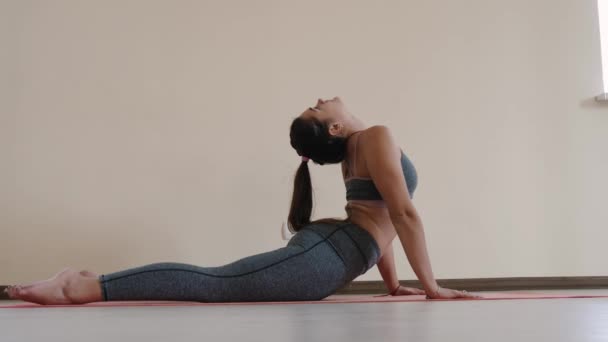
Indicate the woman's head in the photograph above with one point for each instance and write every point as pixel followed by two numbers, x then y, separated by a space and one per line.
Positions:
pixel 332 111
pixel 319 133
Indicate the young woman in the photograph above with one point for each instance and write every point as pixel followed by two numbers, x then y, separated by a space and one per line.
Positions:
pixel 322 257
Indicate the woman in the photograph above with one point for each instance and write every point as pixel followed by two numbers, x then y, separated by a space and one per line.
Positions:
pixel 323 255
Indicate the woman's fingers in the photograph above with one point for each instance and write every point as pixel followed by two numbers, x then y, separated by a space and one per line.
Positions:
pixel 465 294
pixel 470 295
pixel 444 293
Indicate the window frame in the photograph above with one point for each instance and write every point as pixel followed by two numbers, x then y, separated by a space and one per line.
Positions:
pixel 602 11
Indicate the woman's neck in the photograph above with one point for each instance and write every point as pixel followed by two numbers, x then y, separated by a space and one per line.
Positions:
pixel 354 126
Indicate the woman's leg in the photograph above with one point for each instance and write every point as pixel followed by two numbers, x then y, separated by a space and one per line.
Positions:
pixel 308 268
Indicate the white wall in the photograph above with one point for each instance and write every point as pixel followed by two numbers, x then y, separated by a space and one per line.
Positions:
pixel 135 132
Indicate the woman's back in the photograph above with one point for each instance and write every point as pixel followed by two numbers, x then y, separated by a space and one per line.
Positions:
pixel 365 205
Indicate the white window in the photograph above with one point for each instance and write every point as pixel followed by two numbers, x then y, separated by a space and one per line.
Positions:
pixel 603 14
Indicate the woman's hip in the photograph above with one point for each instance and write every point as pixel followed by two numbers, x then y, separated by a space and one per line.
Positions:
pixel 354 245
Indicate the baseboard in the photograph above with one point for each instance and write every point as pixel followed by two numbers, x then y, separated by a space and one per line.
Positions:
pixel 474 284
pixel 488 284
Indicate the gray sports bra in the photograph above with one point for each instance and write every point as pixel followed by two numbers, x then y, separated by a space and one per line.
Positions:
pixel 363 188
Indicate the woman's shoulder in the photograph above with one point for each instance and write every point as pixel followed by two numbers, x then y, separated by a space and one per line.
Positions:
pixel 376 131
pixel 377 134
pixel 379 138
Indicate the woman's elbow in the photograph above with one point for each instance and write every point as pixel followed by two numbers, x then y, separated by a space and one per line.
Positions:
pixel 406 218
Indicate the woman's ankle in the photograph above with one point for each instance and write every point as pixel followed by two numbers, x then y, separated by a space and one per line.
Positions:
pixel 82 289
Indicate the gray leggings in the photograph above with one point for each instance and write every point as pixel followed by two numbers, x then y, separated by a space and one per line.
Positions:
pixel 317 261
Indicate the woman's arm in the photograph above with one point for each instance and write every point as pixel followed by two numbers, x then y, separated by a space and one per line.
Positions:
pixel 382 157
pixel 411 234
pixel 386 266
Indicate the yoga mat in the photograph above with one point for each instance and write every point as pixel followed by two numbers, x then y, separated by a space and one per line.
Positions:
pixel 329 300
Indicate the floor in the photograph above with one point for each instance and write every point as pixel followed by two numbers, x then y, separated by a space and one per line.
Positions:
pixel 503 320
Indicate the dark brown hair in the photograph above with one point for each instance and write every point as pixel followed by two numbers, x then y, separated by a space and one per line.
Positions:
pixel 310 138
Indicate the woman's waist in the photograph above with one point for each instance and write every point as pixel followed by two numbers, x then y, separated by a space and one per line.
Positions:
pixel 377 222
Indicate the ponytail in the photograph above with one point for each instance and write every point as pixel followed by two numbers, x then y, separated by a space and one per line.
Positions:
pixel 311 138
pixel 301 201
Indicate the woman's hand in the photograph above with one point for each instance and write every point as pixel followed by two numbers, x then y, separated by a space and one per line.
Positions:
pixel 407 291
pixel 443 293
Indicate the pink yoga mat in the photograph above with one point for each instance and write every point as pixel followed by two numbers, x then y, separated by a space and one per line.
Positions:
pixel 329 300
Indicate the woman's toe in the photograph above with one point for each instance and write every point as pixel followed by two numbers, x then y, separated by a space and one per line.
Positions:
pixel 11 292
pixel 20 291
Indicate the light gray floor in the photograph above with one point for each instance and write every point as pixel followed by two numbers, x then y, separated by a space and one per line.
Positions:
pixel 504 320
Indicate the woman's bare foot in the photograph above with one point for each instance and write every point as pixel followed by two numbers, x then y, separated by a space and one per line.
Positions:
pixel 84 273
pixel 89 274
pixel 66 287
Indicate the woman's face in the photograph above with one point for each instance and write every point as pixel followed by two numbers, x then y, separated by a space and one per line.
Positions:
pixel 328 111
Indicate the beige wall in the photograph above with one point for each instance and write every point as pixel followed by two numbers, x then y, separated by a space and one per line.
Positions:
pixel 135 132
